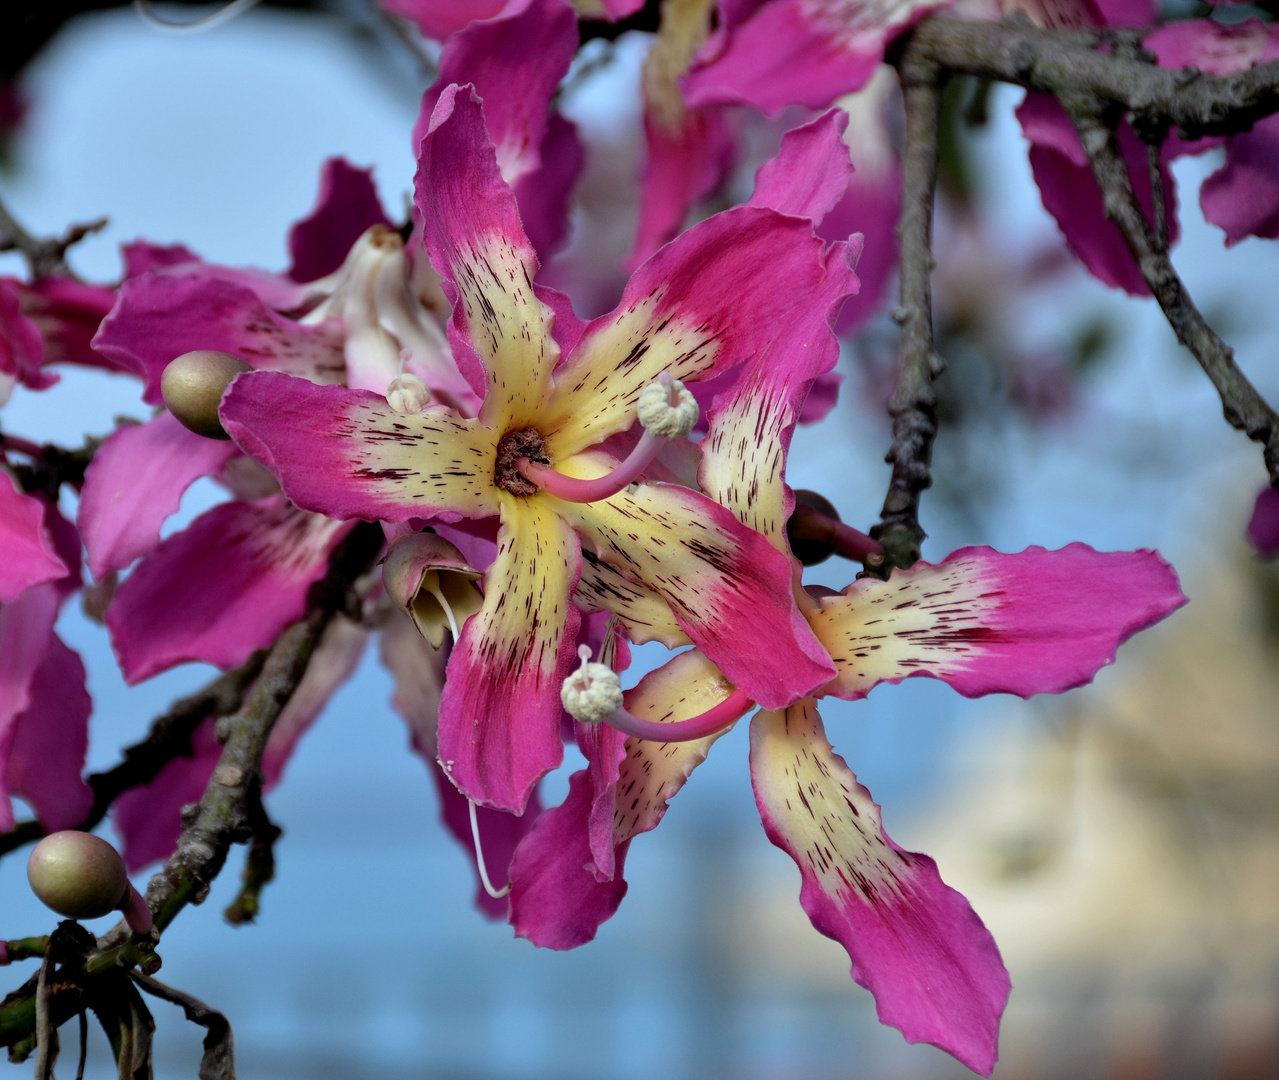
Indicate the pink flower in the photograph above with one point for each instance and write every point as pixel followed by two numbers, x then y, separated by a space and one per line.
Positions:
pixel 553 388
pixel 1036 622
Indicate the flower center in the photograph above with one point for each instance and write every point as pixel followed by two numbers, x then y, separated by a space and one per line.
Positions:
pixel 525 443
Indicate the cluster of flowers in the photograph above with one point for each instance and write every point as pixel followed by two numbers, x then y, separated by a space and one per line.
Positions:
pixel 554 489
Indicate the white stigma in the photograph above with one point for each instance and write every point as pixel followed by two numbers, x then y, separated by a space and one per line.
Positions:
pixel 593 692
pixel 408 394
pixel 666 408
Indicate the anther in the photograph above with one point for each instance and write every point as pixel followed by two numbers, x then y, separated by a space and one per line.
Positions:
pixel 408 394
pixel 497 894
pixel 667 408
pixel 593 694
pixel 666 411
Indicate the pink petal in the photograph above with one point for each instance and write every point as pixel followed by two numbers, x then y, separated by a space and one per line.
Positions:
pixel 1210 46
pixel 472 231
pixel 728 587
pixel 500 713
pixel 823 396
pixel 26 636
pixel 50 738
pixel 811 171
pixel 21 344
pixel 160 316
pixel 439 19
pixel 226 585
pixel 1039 622
pixel 543 196
pixel 705 302
pixel 332 664
pixel 135 481
pixel 567 876
pixel 149 818
pixel 744 452
pixel 870 206
pixel 500 834
pixel 1071 195
pixel 681 168
pixel 515 61
pixel 1263 526
pixel 66 313
pixel 142 255
pixel 914 942
pixel 801 52
pixel 348 454
pixel 1242 197
pixel 29 555
pixel 556 900
pixel 347 205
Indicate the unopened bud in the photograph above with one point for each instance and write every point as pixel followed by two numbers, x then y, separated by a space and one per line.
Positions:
pixel 408 394
pixel 593 692
pixel 667 408
pixel 78 875
pixel 193 386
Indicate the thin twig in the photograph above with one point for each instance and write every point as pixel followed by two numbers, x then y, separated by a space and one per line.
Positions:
pixel 1244 408
pixel 46 257
pixel 913 406
pixel 259 863
pixel 169 738
pixel 46 1029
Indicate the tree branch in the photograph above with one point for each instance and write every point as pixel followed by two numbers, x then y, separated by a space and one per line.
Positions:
pixel 222 816
pixel 169 737
pixel 259 863
pixel 913 406
pixel 46 257
pixel 1069 63
pixel 1244 408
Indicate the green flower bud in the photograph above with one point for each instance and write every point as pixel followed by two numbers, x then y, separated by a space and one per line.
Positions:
pixel 193 386
pixel 78 875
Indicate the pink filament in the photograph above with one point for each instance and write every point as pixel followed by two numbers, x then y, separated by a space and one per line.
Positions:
pixel 715 719
pixel 571 489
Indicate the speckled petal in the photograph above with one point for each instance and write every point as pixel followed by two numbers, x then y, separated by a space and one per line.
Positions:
pixel 1038 622
pixel 500 331
pixel 645 614
pixel 705 302
pixel 729 589
pixel 348 454
pixel 915 943
pixel 500 715
pixel 685 686
pixel 744 452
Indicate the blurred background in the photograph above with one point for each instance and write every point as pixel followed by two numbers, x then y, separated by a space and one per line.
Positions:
pixel 1121 841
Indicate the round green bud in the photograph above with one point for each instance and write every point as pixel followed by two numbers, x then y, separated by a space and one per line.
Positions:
pixel 78 875
pixel 193 386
